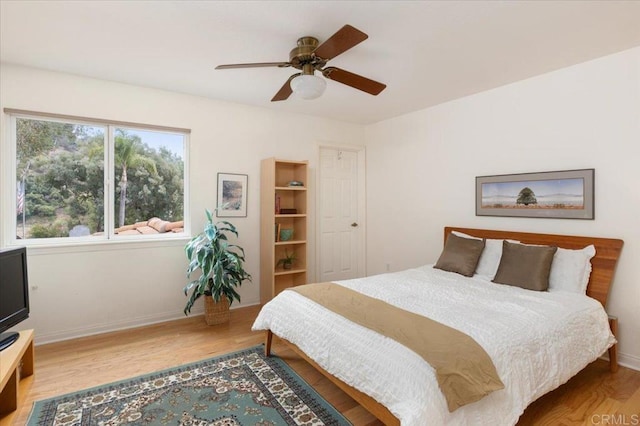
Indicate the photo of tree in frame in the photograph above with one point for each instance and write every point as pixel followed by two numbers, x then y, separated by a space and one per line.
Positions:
pixel 562 194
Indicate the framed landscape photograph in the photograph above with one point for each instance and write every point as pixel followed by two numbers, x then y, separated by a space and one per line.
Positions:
pixel 563 194
pixel 232 195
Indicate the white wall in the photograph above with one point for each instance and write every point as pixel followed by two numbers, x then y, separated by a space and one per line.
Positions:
pixel 85 290
pixel 585 116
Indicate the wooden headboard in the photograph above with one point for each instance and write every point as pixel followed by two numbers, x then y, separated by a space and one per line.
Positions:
pixel 603 263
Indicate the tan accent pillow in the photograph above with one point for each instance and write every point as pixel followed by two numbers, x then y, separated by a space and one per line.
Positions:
pixel 490 258
pixel 460 255
pixel 525 266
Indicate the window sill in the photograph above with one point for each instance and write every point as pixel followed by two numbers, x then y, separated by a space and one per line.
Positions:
pixel 128 243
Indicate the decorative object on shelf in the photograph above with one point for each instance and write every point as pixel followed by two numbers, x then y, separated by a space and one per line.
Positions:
pixel 222 270
pixel 286 234
pixel 232 195
pixel 287 260
pixel 277 230
pixel 565 194
pixel 295 183
pixel 288 211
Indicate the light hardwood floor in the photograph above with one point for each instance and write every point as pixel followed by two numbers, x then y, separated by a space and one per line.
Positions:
pixel 91 361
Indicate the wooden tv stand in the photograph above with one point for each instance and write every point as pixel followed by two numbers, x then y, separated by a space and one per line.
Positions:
pixel 16 363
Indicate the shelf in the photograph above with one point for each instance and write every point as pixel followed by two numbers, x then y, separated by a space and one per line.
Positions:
pixel 284 243
pixel 280 272
pixel 282 216
pixel 290 188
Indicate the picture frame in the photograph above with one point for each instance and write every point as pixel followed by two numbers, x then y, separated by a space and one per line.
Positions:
pixel 232 195
pixel 567 194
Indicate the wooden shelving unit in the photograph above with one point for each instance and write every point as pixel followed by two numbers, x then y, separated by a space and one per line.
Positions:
pixel 16 366
pixel 275 193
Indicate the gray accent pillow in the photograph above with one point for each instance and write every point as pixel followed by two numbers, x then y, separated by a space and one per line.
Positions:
pixel 460 255
pixel 525 266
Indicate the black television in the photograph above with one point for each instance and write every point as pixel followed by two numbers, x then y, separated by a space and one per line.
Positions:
pixel 14 293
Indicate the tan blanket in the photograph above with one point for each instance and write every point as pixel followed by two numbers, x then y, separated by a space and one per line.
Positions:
pixel 464 370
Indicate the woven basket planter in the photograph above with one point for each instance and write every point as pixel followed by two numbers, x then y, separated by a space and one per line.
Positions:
pixel 216 312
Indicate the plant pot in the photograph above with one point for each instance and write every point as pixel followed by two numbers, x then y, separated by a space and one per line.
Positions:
pixel 287 266
pixel 216 312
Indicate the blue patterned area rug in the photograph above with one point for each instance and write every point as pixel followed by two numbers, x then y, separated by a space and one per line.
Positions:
pixel 239 389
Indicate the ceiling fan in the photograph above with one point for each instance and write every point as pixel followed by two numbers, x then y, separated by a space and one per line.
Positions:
pixel 309 57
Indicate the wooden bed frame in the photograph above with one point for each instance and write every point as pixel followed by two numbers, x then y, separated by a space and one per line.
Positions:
pixel 603 268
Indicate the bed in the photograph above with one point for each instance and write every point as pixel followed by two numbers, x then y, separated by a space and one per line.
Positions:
pixel 537 340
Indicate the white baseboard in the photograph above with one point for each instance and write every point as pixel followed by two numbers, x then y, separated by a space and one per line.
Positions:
pixel 629 361
pixel 625 360
pixel 74 333
pixel 41 339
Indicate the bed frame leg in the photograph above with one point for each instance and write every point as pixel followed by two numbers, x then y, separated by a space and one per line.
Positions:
pixel 613 350
pixel 267 343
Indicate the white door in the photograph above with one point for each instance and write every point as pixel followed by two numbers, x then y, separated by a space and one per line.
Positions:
pixel 341 231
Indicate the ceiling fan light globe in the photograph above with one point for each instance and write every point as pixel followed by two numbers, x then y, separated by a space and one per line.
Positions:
pixel 308 86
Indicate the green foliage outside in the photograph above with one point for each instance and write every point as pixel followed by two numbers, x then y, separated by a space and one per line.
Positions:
pixel 63 169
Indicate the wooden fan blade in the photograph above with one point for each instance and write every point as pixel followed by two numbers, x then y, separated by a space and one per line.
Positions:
pixel 285 91
pixel 344 39
pixel 354 80
pixel 254 65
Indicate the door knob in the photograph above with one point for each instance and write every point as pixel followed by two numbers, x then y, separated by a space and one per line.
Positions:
pixel 354 225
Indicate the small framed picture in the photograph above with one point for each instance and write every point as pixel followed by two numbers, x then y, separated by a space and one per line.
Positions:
pixel 232 195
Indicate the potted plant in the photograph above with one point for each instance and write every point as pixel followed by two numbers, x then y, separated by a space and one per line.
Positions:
pixel 222 270
pixel 287 260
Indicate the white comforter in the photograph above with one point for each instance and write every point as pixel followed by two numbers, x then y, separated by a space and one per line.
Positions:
pixel 537 341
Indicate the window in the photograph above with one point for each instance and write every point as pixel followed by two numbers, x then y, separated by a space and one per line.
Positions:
pixel 91 180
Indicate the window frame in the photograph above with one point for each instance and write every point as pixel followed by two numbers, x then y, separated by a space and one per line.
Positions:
pixel 8 205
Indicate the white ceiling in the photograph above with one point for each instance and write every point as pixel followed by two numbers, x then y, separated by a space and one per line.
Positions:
pixel 427 52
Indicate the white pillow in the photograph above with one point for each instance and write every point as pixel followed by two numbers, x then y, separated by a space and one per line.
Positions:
pixel 490 257
pixel 570 270
pixel 463 235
